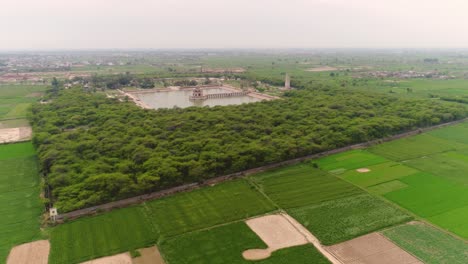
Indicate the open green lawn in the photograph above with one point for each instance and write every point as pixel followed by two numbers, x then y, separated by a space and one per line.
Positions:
pixel 343 219
pixel 414 147
pixel 429 244
pixel 208 206
pixel 107 234
pixel 225 244
pixel 302 185
pixel 20 207
pixel 379 173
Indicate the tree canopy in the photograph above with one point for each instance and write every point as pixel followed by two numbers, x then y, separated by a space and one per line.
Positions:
pixel 94 149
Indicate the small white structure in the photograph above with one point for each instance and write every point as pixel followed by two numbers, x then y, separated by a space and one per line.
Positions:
pixel 53 213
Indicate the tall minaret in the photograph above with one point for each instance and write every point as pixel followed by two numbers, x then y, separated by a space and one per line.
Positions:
pixel 287 82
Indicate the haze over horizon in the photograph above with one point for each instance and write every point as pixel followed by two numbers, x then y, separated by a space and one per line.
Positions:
pixel 179 24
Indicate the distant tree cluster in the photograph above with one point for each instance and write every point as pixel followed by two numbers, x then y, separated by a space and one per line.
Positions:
pixel 93 149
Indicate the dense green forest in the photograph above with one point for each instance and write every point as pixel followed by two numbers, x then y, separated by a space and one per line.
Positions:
pixel 93 149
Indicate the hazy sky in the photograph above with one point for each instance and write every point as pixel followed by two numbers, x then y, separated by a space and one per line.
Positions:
pixel 78 24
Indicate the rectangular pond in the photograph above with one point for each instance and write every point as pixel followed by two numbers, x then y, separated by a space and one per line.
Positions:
pixel 181 98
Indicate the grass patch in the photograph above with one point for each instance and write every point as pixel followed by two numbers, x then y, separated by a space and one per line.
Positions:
pixel 20 208
pixel 349 160
pixel 301 185
pixel 225 244
pixel 103 235
pixel 429 244
pixel 343 219
pixel 415 147
pixel 379 173
pixel 208 206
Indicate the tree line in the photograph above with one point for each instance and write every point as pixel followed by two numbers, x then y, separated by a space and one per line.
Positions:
pixel 94 149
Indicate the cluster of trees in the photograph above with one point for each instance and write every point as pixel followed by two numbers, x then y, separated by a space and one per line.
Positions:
pixel 94 149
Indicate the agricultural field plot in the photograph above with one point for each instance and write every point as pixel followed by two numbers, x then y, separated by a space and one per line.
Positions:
pixel 103 235
pixel 428 243
pixel 225 244
pixel 380 173
pixel 343 219
pixel 428 195
pixel 16 99
pixel 414 147
pixel 20 208
pixel 349 160
pixel 301 185
pixel 454 221
pixel 13 123
pixel 207 207
pixel 457 133
pixel 450 165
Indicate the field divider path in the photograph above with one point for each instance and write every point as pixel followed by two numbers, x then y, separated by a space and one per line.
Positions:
pixel 193 186
pixel 312 239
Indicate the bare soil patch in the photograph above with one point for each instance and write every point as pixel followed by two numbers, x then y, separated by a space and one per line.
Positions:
pixel 363 170
pixel 281 231
pixel 149 256
pixel 123 258
pixel 8 135
pixel 36 94
pixel 373 248
pixel 321 69
pixel 35 252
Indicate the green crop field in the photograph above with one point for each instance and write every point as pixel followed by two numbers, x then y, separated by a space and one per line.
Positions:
pixel 225 244
pixel 429 244
pixel 208 206
pixel 454 133
pixel 102 235
pixel 342 219
pixel 302 185
pixel 414 147
pixel 429 195
pixel 349 160
pixel 20 207
pixel 136 227
pixel 15 100
pixel 450 165
pixel 380 173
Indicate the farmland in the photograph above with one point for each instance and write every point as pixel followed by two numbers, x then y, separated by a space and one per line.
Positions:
pixel 219 245
pixel 94 149
pixel 102 235
pixel 198 219
pixel 16 99
pixel 429 244
pixel 19 192
pixel 426 175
